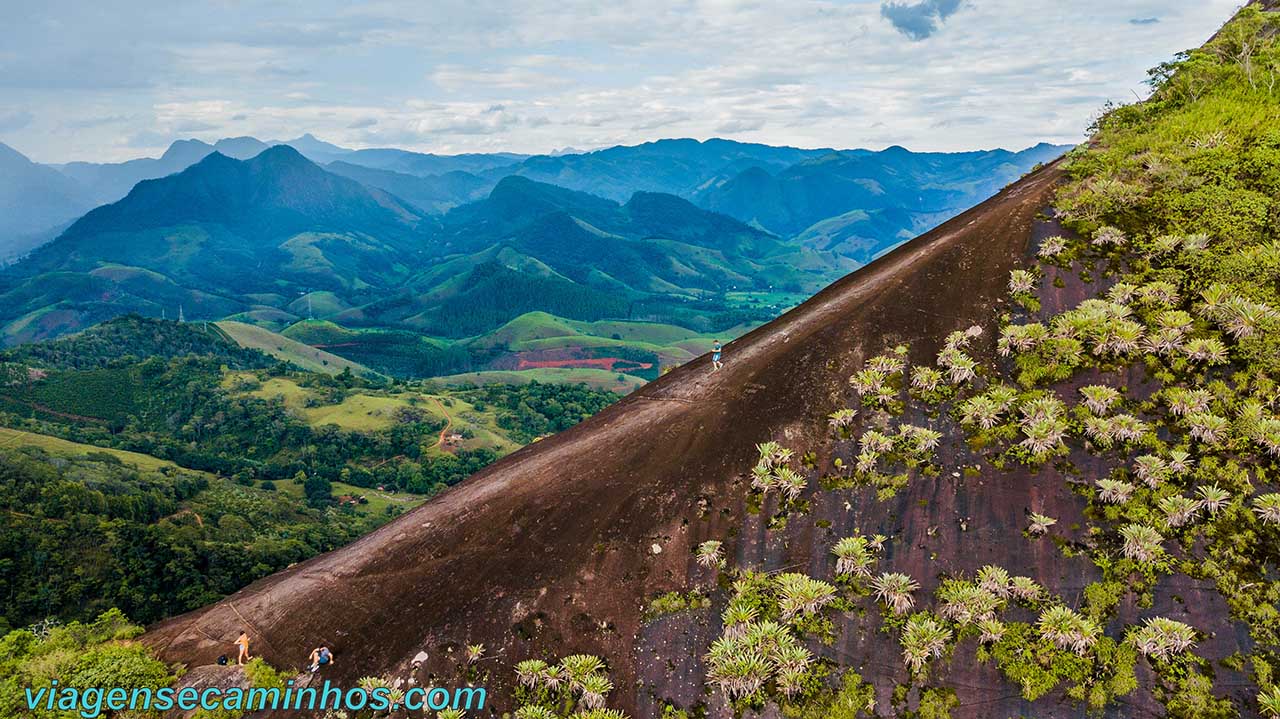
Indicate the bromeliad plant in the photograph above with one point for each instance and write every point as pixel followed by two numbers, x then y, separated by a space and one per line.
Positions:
pixel 1160 638
pixel 855 557
pixel 895 590
pixel 1066 629
pixel 923 638
pixel 759 657
pixel 578 685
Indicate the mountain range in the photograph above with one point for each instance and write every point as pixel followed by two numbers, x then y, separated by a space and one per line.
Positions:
pixel 699 235
pixel 783 190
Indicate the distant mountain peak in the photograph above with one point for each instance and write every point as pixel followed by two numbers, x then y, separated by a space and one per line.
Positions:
pixel 283 156
pixel 8 154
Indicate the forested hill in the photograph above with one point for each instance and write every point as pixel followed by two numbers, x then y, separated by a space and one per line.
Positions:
pixel 162 466
pixel 244 239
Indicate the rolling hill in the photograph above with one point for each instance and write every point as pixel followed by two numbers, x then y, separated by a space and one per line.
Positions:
pixel 364 258
pixel 221 237
pixel 1024 465
pixel 282 348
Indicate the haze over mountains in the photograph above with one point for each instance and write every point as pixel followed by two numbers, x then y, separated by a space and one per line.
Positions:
pixel 723 175
pixel 454 247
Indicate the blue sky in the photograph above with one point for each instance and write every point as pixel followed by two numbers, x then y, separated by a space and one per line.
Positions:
pixel 108 80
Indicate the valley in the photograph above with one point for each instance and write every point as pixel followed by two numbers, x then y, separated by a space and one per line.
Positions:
pixel 431 266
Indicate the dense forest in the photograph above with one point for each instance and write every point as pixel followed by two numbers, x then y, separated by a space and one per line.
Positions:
pixel 87 533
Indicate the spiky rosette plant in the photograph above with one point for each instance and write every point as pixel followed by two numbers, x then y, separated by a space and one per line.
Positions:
pixel 868 381
pixel 1142 543
pixel 1213 498
pixel 1022 282
pixel 577 667
pixel 1112 491
pixel 918 442
pixel 1242 318
pixel 1183 402
pixel 1108 236
pixel 533 711
pixel 960 339
pixel 736 669
pixel 1267 507
pixel 451 714
pixel 1151 470
pixel 982 411
pixel 960 367
pixel 1021 338
pixel 966 603
pixel 553 677
pixel 1164 245
pixel 790 483
pixel 1195 242
pixel 1179 510
pixel 990 631
pixel 889 364
pixel 773 455
pixel 995 580
pixel 530 671
pixel 1025 588
pixel 1169 333
pixel 1044 407
pixel 1044 436
pixel 1208 428
pixel 1122 292
pixel 1051 247
pixel 875 441
pixel 1259 426
pixel 1099 398
pixel 1161 638
pixel 1129 429
pixel 802 595
pixel 923 638
pixel 894 590
pixel 925 379
pixel 866 461
pixel 1208 351
pixel 789 656
pixel 842 421
pixel 710 554
pixel 593 689
pixel 738 617
pixel 1179 462
pixel 762 479
pixel 1269 702
pixel 1099 431
pixel 1158 294
pixel 1039 524
pixel 1067 630
pixel 600 714
pixel 854 557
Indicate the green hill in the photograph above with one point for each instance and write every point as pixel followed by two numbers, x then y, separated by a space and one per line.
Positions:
pixel 288 350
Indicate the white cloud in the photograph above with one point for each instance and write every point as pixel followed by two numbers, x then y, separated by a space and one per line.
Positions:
pixel 463 75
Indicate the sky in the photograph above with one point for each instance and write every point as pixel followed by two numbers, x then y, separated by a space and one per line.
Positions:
pixel 107 80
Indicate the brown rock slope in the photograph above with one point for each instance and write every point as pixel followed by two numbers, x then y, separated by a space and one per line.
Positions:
pixel 550 551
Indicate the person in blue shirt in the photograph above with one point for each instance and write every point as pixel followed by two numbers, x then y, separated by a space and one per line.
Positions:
pixel 715 357
pixel 320 656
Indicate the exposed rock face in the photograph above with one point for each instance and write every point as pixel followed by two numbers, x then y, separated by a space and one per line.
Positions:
pixel 548 552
